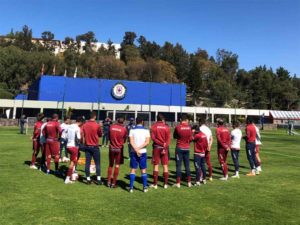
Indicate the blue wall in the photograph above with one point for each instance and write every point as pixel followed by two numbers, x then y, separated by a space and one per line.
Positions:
pixel 53 88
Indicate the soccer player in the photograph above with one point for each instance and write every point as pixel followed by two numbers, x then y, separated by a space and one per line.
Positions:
pixel 36 139
pixel 257 149
pixel 73 137
pixel 205 129
pixel 200 147
pixel 106 125
pixel 236 136
pixel 43 144
pixel 129 126
pixel 224 142
pixel 52 133
pixel 91 133
pixel 183 134
pixel 117 137
pixel 161 137
pixel 139 139
pixel 250 146
pixel 63 140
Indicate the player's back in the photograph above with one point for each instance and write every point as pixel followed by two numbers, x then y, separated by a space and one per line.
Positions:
pixel 251 133
pixel 183 134
pixel 160 133
pixel 117 136
pixel 92 131
pixel 52 130
pixel 223 136
pixel 37 129
pixel 139 134
pixel 201 143
pixel 236 136
pixel 72 135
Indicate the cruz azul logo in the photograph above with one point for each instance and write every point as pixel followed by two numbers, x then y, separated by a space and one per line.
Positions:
pixel 118 91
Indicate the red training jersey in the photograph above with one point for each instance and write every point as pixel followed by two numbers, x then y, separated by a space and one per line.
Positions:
pixel 117 136
pixel 160 134
pixel 91 132
pixel 52 130
pixel 250 133
pixel 184 135
pixel 223 137
pixel 37 130
pixel 201 143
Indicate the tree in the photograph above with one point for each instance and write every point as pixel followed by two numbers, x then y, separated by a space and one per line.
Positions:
pixel 148 49
pixel 129 38
pixel 88 38
pixel 23 39
pixel 47 36
pixel 135 69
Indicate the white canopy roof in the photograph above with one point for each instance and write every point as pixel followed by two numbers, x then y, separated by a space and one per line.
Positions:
pixel 285 115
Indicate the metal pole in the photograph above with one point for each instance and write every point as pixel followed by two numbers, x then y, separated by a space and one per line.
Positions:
pixel 22 103
pixel 99 97
pixel 63 100
pixel 150 96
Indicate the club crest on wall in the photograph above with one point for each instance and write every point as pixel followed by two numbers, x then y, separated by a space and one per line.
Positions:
pixel 118 91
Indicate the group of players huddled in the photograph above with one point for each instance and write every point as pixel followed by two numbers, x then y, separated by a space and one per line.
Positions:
pixel 83 136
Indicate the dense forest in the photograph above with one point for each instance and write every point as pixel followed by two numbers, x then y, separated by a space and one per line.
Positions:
pixel 211 80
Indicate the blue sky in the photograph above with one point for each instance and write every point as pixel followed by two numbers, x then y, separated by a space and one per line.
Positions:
pixel 259 31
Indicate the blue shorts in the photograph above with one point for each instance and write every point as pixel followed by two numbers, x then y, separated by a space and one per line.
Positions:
pixel 136 161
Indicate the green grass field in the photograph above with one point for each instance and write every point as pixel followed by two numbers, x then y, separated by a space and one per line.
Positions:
pixel 31 197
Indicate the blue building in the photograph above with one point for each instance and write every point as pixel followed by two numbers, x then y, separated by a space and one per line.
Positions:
pixel 67 89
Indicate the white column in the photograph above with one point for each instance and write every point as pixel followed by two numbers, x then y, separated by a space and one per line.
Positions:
pixel 195 117
pixel 114 115
pixel 229 118
pixel 14 112
pixel 156 113
pixel 212 118
pixel 135 114
pixel 41 110
pixel 176 118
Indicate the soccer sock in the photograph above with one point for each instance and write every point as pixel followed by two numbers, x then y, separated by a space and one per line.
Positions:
pixel 132 178
pixel 166 176
pixel 155 177
pixel 116 173
pixel 98 177
pixel 144 178
pixel 225 170
pixel 33 159
pixel 178 179
pixel 189 178
pixel 48 163
pixel 236 173
pixel 56 165
pixel 70 171
pixel 88 178
pixel 109 172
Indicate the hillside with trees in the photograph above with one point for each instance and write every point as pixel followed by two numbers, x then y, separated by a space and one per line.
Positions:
pixel 211 80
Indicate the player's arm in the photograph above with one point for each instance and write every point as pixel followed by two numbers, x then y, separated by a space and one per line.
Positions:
pixel 147 141
pixel 154 139
pixel 168 137
pixel 211 139
pixel 99 131
pixel 220 141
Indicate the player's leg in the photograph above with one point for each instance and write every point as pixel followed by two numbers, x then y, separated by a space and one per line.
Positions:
pixel 143 167
pixel 88 158
pixel 73 151
pixel 186 161
pixel 221 157
pixel 55 152
pixel 250 153
pixel 197 169
pixel 111 158
pixel 155 161
pixel 118 161
pixel 48 157
pixel 97 157
pixel 209 165
pixel 235 159
pixel 165 161
pixel 178 158
pixel 35 150
pixel 133 167
pixel 257 156
pixel 203 169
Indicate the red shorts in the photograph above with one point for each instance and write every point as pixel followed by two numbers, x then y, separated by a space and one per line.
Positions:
pixel 116 157
pixel 36 145
pixel 52 148
pixel 160 155
pixel 257 149
pixel 74 153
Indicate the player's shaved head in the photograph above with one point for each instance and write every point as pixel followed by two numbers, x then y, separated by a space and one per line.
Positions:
pixel 121 119
pixel 160 117
pixel 93 115
pixel 139 120
pixel 249 120
pixel 235 124
pixel 55 116
pixel 184 118
pixel 40 117
pixel 220 121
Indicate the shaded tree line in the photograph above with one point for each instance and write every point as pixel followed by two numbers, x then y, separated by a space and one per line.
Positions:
pixel 211 80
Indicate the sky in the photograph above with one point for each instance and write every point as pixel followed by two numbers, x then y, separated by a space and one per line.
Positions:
pixel 260 32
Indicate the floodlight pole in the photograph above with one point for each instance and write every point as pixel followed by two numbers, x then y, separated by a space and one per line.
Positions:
pixel 99 99
pixel 63 100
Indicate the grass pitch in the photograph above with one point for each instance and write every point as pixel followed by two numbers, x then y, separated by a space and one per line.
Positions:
pixel 31 197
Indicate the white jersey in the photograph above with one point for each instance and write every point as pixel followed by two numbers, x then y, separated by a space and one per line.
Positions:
pixel 205 129
pixel 139 134
pixel 64 128
pixel 236 137
pixel 258 137
pixel 73 133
